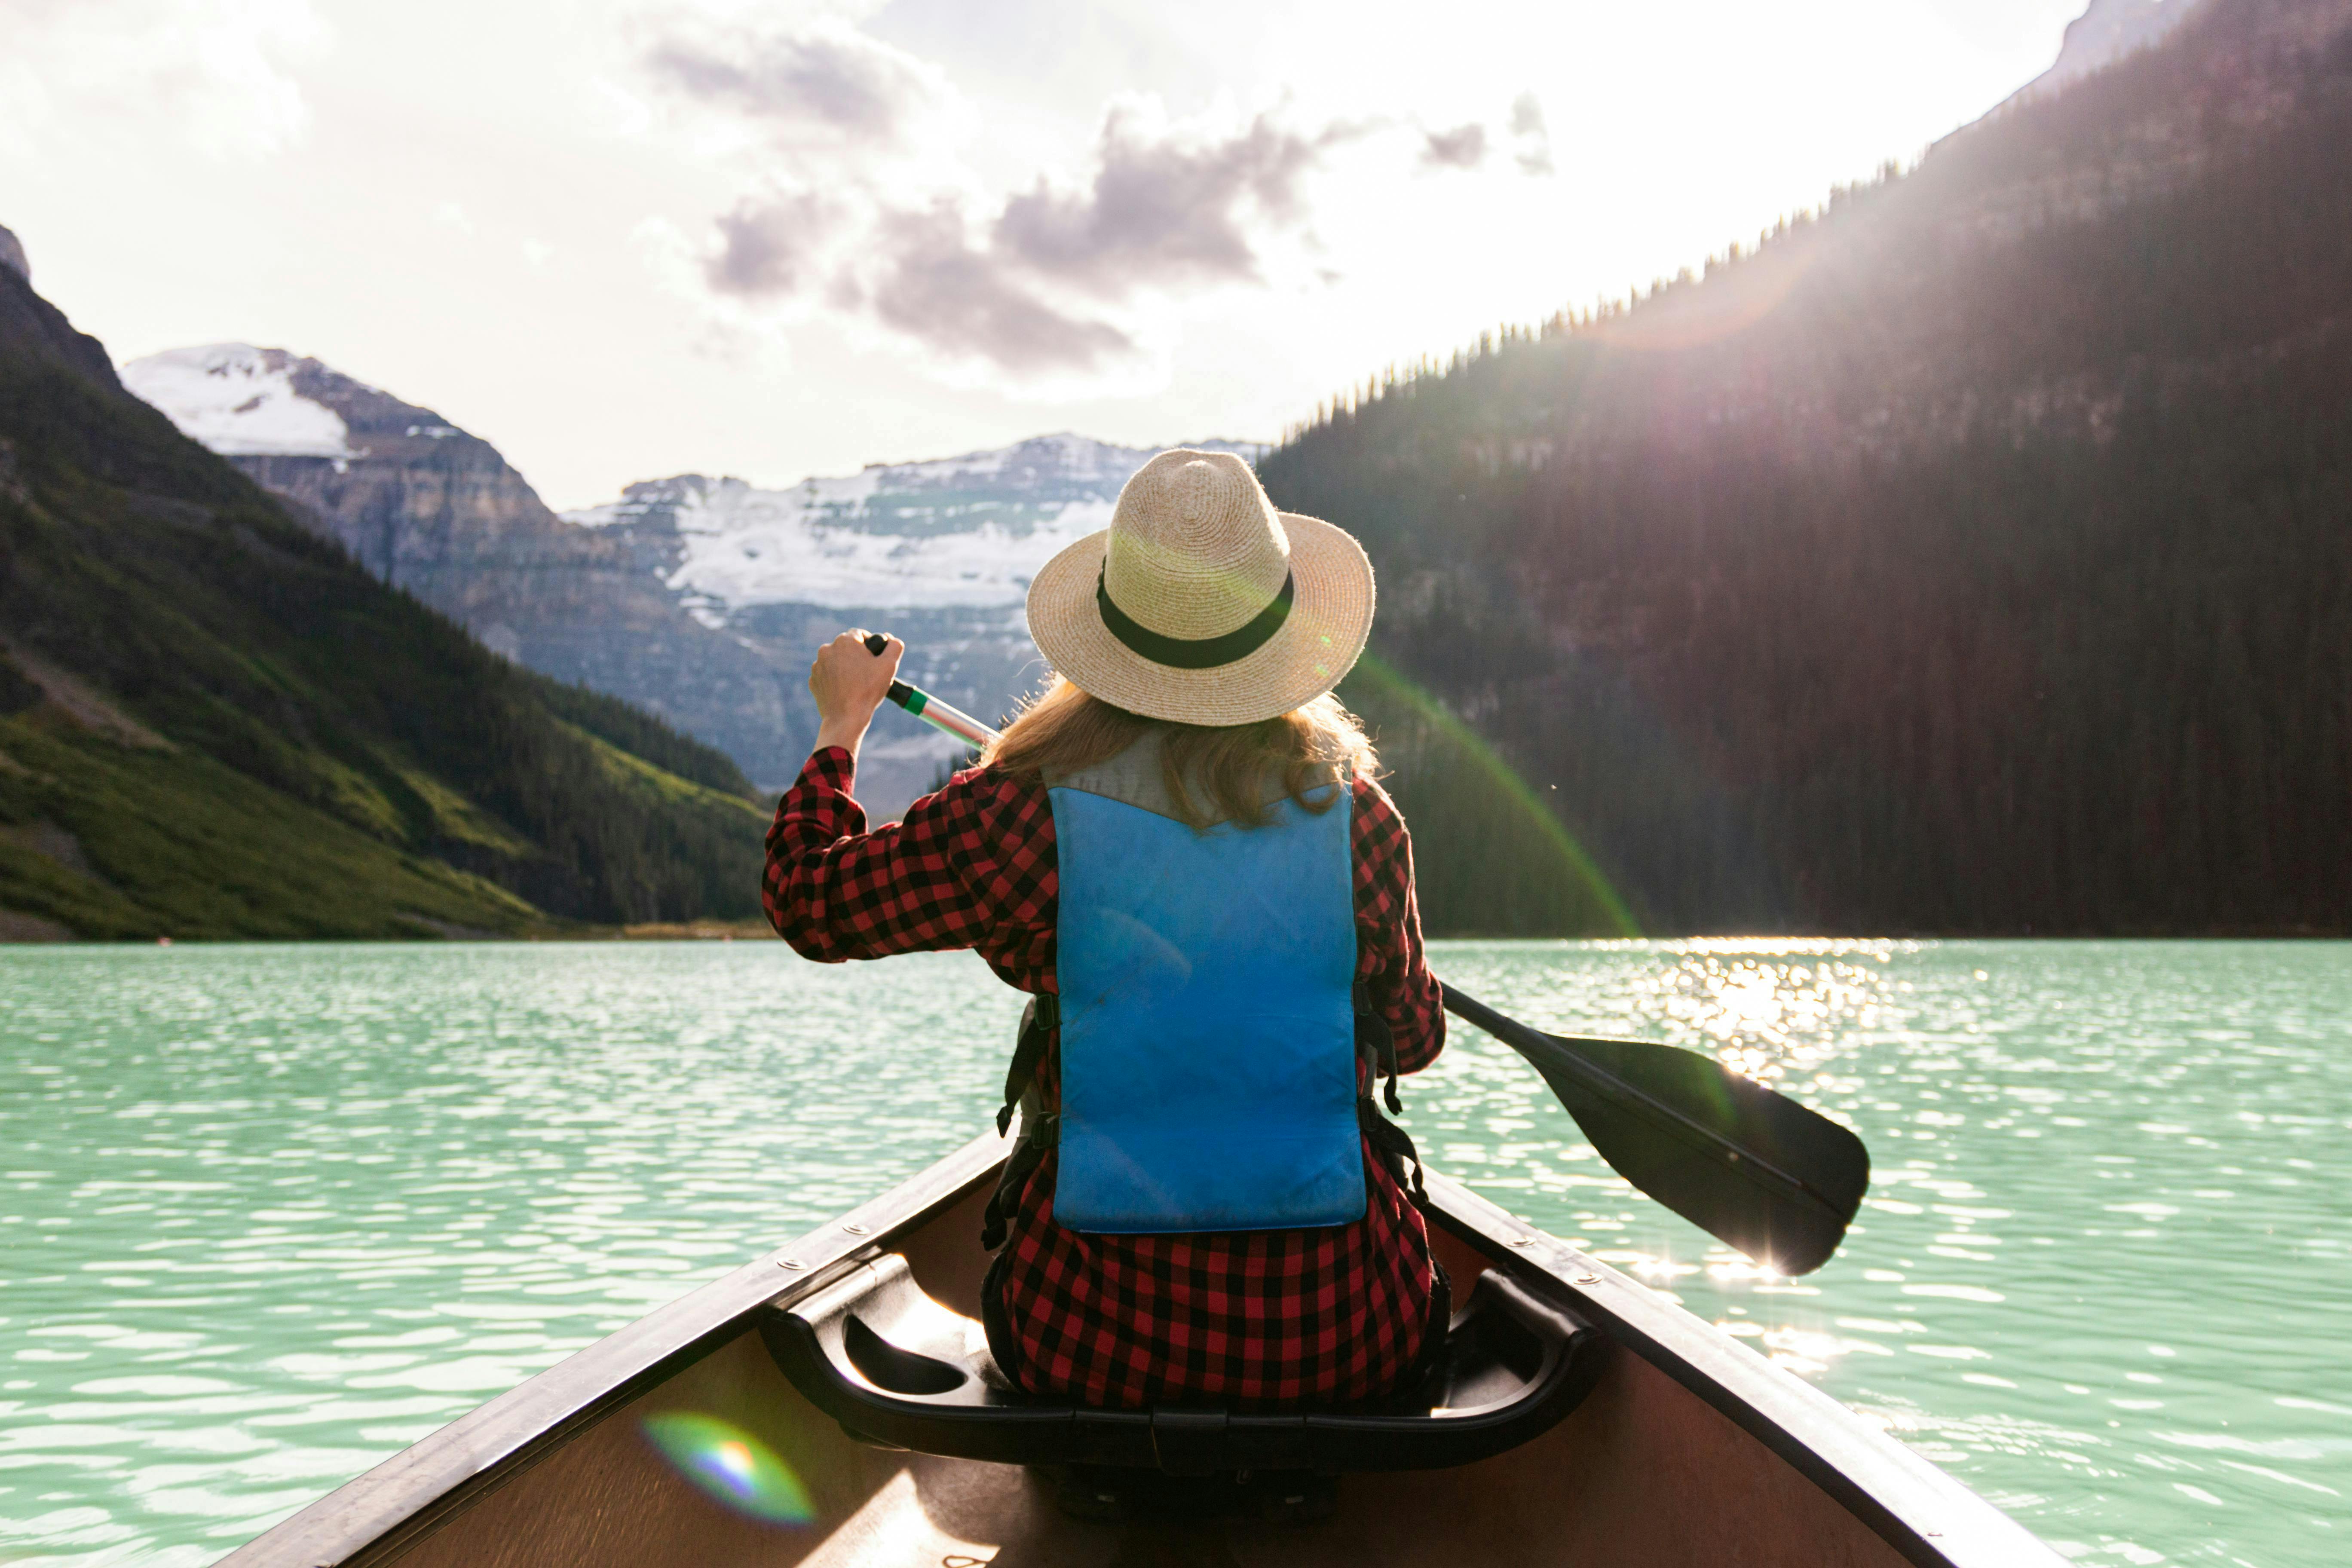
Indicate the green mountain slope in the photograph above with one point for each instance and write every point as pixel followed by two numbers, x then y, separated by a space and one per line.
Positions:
pixel 1972 556
pixel 214 724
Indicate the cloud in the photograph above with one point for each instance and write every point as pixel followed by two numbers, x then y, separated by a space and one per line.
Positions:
pixel 1464 147
pixel 1163 211
pixel 938 288
pixel 1047 280
pixel 766 247
pixel 827 77
pixel 214 75
pixel 1531 135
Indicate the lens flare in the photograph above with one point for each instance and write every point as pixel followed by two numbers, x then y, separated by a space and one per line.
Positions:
pixel 1386 680
pixel 732 1465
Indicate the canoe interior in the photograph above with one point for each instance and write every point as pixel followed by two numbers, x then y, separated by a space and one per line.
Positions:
pixel 1644 1472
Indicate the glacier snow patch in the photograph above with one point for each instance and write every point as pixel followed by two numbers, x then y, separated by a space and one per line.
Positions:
pixel 954 533
pixel 239 401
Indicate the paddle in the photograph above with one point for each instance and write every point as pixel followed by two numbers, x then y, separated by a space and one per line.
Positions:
pixel 1743 1163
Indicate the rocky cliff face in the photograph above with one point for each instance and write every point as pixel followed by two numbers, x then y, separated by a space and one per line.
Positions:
pixel 427 507
pixel 12 255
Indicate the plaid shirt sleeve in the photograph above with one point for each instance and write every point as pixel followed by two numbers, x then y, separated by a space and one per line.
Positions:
pixel 971 866
pixel 1388 959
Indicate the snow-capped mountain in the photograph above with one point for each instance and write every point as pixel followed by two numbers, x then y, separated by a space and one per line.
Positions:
pixel 967 531
pixel 240 401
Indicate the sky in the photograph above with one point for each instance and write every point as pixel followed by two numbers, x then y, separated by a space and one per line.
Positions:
pixel 628 238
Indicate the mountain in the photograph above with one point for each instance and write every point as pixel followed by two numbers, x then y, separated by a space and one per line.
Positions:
pixel 1973 555
pixel 701 600
pixel 428 507
pixel 2110 31
pixel 940 553
pixel 215 723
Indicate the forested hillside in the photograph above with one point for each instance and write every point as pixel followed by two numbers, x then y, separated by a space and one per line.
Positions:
pixel 1974 555
pixel 212 722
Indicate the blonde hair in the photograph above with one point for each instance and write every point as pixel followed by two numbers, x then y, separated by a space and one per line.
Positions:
pixel 1064 730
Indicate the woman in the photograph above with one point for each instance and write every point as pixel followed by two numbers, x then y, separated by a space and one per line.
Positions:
pixel 1180 851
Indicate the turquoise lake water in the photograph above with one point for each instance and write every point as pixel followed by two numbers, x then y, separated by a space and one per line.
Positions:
pixel 274 1212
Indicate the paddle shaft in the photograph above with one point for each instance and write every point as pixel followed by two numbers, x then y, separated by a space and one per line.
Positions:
pixel 930 710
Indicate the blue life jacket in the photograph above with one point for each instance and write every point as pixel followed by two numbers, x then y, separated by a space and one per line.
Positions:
pixel 1207 1011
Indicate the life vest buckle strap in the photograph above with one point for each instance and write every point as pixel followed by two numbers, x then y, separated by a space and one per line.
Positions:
pixel 1394 1148
pixel 1039 1020
pixel 1376 1042
pixel 1039 1135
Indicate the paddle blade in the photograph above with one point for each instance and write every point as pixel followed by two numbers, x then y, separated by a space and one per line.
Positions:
pixel 1735 1190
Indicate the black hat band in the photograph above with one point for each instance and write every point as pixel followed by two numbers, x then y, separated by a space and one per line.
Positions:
pixel 1194 653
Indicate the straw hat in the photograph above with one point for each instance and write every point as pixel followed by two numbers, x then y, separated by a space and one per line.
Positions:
pixel 1201 603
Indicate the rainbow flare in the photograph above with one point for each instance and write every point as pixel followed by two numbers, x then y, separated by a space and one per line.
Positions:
pixel 732 1466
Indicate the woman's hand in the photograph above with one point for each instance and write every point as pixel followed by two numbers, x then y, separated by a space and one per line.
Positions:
pixel 848 684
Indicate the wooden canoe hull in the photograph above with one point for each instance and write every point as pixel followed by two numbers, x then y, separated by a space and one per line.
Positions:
pixel 1692 1449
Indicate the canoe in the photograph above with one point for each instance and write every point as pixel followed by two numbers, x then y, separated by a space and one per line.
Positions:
pixel 1600 1424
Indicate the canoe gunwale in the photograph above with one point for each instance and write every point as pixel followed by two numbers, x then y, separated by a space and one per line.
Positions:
pixel 1924 1515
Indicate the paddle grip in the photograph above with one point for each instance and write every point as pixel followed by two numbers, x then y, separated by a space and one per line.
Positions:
pixel 899 690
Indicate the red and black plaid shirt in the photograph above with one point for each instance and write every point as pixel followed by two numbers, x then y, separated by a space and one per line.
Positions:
pixel 1327 1316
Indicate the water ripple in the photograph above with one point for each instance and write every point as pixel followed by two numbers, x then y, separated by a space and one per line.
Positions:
pixel 2100 1270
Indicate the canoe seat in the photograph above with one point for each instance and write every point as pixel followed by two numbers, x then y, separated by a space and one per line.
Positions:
pixel 895 1367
